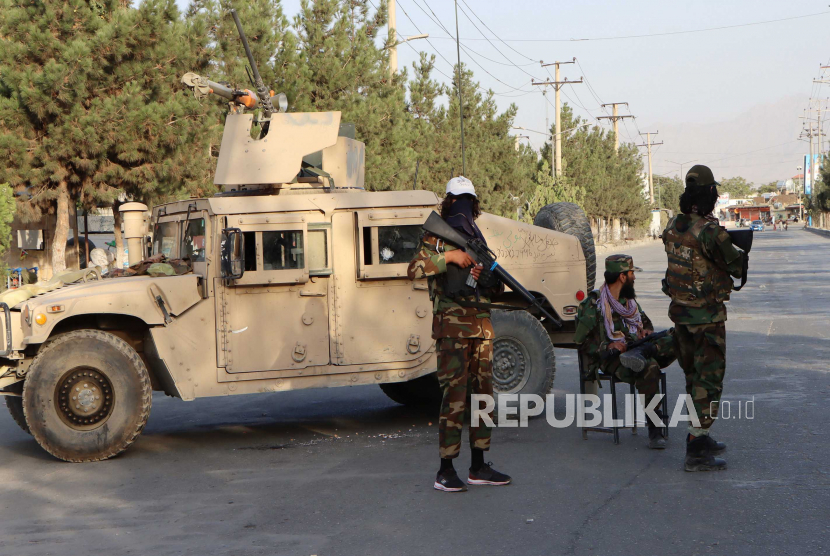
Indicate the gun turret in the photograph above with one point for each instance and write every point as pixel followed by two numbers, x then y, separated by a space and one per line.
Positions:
pixel 203 87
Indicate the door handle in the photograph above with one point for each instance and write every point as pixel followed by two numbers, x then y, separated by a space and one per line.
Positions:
pixel 417 286
pixel 304 293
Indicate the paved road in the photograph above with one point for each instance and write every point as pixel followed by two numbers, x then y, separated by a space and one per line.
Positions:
pixel 347 472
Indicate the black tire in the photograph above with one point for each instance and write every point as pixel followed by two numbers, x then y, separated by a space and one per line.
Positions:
pixel 523 358
pixel 70 244
pixel 569 218
pixel 116 389
pixel 423 391
pixel 15 407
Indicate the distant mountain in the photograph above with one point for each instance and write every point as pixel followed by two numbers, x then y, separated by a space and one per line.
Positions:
pixel 760 144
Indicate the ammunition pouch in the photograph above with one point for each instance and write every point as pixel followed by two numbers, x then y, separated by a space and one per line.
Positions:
pixel 455 282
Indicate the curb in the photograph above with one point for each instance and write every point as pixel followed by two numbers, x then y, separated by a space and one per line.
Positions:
pixel 819 232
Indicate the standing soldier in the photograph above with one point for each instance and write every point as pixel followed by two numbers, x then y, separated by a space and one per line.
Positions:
pixel 701 259
pixel 464 335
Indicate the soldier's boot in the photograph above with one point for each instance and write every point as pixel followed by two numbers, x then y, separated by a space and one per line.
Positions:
pixel 637 358
pixel 699 457
pixel 715 447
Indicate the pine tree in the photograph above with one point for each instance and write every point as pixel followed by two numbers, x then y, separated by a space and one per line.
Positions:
pixel 91 105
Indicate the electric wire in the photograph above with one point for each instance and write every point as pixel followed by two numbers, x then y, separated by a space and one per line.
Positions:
pixel 495 35
pixel 664 34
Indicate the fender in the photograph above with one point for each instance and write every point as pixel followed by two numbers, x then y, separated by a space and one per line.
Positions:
pixel 136 296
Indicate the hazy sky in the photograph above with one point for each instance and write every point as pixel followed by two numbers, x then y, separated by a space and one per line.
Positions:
pixel 710 76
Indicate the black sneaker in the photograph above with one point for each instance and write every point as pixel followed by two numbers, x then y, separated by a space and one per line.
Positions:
pixel 486 475
pixel 448 481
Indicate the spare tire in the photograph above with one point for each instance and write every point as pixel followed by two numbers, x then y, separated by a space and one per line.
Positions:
pixel 569 218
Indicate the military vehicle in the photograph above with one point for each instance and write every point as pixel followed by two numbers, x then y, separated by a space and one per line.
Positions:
pixel 298 281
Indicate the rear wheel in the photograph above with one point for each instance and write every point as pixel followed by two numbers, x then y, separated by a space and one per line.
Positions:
pixel 523 358
pixel 87 396
pixel 569 218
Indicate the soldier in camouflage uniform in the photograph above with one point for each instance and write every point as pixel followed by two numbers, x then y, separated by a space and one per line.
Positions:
pixel 701 259
pixel 464 336
pixel 603 347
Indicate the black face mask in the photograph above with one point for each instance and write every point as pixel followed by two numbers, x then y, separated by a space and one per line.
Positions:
pixel 627 291
pixel 461 217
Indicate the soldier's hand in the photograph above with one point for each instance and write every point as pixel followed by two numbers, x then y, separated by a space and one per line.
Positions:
pixel 475 272
pixel 619 346
pixel 458 257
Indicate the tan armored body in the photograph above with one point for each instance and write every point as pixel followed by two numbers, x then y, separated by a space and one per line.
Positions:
pixel 298 281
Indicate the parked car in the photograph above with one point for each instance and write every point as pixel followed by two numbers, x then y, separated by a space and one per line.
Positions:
pixel 757 226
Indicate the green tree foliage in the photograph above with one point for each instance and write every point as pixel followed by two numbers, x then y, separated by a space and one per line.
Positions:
pixel 547 191
pixel 91 104
pixel 7 206
pixel 668 191
pixel 737 187
pixel 613 182
pixel 820 199
pixel 771 187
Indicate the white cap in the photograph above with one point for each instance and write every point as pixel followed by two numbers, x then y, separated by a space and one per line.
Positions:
pixel 460 186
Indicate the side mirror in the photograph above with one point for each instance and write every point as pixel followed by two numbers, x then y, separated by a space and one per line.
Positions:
pixel 233 254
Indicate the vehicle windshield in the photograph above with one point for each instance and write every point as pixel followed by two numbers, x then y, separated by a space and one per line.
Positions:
pixel 756 222
pixel 194 240
pixel 164 238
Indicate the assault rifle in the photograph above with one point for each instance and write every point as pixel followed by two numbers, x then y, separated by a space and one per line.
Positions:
pixel 482 254
pixel 634 344
pixel 742 239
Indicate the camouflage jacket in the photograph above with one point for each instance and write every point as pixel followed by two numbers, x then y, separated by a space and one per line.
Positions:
pixel 590 333
pixel 709 244
pixel 450 320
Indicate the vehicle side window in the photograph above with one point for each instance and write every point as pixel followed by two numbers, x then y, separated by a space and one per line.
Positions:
pixel 250 251
pixel 318 249
pixel 398 244
pixel 283 250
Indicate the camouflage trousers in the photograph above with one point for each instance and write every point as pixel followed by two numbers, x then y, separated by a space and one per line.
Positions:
pixel 701 352
pixel 648 380
pixel 465 367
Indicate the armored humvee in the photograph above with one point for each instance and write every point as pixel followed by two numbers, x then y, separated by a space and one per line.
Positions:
pixel 298 281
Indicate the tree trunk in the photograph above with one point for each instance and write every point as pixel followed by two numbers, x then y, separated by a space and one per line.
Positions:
pixel 75 232
pixel 615 229
pixel 61 230
pixel 120 256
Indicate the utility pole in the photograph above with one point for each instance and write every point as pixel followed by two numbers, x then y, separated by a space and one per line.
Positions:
pixel 460 96
pixel 393 30
pixel 649 144
pixel 615 118
pixel 556 144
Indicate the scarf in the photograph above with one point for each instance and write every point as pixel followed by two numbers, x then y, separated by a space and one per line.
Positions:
pixel 461 218
pixel 629 312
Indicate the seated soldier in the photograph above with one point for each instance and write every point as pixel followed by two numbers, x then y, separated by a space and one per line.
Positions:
pixel 607 321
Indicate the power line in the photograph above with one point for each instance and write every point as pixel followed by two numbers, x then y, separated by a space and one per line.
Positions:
pixel 667 33
pixel 495 35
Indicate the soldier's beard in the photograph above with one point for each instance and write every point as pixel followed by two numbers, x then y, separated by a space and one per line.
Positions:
pixel 627 291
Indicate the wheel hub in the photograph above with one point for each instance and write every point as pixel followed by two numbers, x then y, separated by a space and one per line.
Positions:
pixel 511 365
pixel 84 398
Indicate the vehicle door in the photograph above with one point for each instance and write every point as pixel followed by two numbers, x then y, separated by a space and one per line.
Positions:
pixel 275 317
pixel 380 315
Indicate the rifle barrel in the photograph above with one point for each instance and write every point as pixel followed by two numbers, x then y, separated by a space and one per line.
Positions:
pixel 262 90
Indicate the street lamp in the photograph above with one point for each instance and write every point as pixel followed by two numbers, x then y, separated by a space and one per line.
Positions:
pixel 681 175
pixel 800 169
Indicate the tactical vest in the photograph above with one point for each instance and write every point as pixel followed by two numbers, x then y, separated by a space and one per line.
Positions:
pixel 692 280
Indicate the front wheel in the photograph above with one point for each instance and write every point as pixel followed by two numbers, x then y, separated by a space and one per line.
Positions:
pixel 87 396
pixel 523 358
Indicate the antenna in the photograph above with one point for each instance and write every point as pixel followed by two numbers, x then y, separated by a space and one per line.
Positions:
pixel 460 97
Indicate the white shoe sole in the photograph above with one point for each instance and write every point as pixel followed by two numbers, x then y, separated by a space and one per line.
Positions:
pixel 439 486
pixel 483 482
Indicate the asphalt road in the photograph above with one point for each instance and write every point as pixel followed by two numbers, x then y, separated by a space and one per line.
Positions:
pixel 347 472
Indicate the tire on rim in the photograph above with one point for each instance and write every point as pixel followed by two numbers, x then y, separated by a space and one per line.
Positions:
pixel 87 396
pixel 15 406
pixel 523 358
pixel 569 218
pixel 422 391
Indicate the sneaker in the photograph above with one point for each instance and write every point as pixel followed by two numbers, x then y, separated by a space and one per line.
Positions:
pixel 448 481
pixel 488 476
